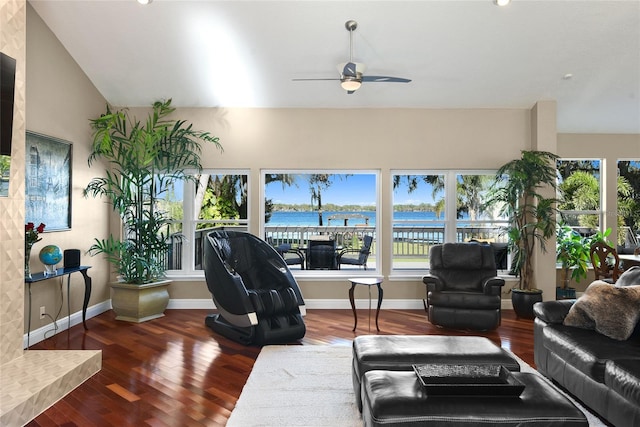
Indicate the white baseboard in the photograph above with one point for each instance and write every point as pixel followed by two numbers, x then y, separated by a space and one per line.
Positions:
pixel 193 304
pixel 62 324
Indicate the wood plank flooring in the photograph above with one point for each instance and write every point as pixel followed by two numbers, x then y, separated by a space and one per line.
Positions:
pixel 176 372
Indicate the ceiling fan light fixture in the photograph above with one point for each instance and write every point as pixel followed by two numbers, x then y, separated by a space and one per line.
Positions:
pixel 350 84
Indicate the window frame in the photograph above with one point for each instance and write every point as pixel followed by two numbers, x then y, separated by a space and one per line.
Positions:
pixel 450 220
pixel 323 275
pixel 189 226
pixel 600 212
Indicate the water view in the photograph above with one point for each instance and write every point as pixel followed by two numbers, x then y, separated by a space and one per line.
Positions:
pixel 310 218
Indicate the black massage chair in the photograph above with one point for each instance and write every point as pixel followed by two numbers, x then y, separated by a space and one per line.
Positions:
pixel 258 300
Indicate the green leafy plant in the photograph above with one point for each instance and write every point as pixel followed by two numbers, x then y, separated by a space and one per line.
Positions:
pixel 144 161
pixel 517 193
pixel 573 252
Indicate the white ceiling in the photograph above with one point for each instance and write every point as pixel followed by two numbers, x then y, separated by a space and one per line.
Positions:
pixel 459 54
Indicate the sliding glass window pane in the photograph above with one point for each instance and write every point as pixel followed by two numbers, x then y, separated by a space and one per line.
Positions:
pixel 474 221
pixel 170 203
pixel 579 192
pixel 628 204
pixel 418 218
pixel 220 200
pixel 197 205
pixel 337 209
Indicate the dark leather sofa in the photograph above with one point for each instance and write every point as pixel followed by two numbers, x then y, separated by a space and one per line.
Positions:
pixel 602 372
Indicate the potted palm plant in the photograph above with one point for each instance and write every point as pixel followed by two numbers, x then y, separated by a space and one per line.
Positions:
pixel 518 193
pixel 144 160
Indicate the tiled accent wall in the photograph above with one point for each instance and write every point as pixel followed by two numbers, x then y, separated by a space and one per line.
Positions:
pixel 30 381
pixel 13 25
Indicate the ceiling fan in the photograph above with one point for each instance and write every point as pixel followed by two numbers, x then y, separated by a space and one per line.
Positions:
pixel 352 73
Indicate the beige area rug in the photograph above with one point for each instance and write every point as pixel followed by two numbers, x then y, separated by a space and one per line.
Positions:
pixel 307 386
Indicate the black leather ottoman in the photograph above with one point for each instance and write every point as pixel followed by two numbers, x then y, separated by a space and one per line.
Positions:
pixel 392 398
pixel 400 352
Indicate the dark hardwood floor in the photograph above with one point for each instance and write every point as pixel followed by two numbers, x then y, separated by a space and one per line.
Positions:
pixel 174 371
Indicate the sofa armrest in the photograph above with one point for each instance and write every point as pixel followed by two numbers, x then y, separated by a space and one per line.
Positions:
pixel 433 283
pixel 552 311
pixel 492 285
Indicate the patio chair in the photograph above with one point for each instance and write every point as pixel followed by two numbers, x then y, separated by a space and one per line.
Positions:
pixel 356 256
pixel 292 256
pixel 321 255
pixel 257 297
pixel 605 262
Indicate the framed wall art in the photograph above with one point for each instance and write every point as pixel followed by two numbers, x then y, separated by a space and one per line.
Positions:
pixel 48 181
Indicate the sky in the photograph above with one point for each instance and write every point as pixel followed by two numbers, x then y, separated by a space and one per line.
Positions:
pixel 356 189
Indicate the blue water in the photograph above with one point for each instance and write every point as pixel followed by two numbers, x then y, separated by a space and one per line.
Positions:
pixel 282 218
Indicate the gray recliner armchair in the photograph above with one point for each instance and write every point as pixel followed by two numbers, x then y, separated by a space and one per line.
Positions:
pixel 463 289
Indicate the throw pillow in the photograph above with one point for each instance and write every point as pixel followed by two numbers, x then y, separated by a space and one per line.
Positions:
pixel 610 310
pixel 631 276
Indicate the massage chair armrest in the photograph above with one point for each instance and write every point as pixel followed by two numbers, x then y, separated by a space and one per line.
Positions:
pixel 492 285
pixel 552 312
pixel 433 283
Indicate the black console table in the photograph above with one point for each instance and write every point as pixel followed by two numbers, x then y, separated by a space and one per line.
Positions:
pixel 61 272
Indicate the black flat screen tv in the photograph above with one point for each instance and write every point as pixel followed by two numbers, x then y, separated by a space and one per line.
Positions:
pixel 7 93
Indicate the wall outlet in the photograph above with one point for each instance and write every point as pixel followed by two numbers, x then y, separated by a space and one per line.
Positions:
pixel 42 312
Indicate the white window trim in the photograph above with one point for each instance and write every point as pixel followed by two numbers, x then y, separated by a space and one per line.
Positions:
pixel 450 220
pixel 189 226
pixel 329 275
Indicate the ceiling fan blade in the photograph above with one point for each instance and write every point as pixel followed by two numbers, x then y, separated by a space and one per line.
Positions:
pixel 303 80
pixel 387 79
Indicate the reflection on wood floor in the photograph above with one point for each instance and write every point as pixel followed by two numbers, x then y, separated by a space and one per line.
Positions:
pixel 174 371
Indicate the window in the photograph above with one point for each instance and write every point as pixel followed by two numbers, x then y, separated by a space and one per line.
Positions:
pixel 433 208
pixel 336 210
pixel 580 195
pixel 219 198
pixel 628 203
pixel 418 218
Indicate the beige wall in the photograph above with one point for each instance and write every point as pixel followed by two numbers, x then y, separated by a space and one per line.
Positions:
pixel 60 100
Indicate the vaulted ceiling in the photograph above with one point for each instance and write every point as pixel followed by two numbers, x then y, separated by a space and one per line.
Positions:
pixel 458 54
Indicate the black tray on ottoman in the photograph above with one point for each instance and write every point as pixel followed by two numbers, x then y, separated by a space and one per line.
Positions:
pixel 394 398
pixel 468 380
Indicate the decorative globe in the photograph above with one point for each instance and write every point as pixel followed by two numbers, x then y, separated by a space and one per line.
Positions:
pixel 50 255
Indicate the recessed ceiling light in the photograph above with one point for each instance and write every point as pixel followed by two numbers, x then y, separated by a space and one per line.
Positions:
pixel 502 2
pixel 144 1
pixel 567 76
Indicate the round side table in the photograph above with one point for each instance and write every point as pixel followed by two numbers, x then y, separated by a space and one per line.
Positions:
pixel 367 281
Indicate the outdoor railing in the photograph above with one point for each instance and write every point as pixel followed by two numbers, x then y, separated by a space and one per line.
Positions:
pixel 408 241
